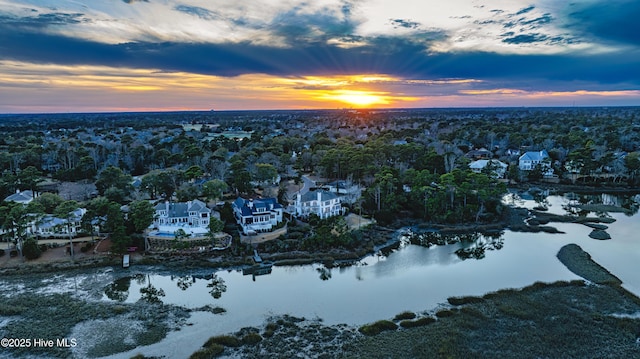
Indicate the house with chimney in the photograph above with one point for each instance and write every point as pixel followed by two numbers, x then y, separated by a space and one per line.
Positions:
pixel 50 226
pixel 257 215
pixel 532 159
pixel 322 203
pixel 191 214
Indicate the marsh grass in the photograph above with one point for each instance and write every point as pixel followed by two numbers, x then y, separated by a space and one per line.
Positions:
pixel 444 313
pixel 557 320
pixel 57 315
pixel 464 300
pixel 404 316
pixel 378 327
pixel 580 263
pixel 224 340
pixel 417 323
pixel 251 339
pixel 207 353
pixel 7 310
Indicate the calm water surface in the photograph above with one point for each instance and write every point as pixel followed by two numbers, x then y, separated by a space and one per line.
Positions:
pixel 413 278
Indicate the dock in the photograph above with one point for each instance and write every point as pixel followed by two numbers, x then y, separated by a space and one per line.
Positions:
pixel 256 256
pixel 257 270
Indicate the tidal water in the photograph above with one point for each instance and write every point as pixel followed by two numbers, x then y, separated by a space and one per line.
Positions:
pixel 411 278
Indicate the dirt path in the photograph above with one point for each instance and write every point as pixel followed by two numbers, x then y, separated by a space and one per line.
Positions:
pixel 57 254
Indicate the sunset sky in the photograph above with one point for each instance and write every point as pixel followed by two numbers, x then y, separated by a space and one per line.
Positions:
pixel 165 55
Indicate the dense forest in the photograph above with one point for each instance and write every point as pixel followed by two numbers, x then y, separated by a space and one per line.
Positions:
pixel 410 163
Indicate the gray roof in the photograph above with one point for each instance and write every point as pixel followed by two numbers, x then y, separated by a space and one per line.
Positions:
pixel 182 209
pixel 483 163
pixel 50 221
pixel 23 196
pixel 534 156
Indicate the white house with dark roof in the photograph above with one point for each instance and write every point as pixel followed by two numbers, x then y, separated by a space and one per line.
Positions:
pixel 322 203
pixel 495 168
pixel 257 215
pixel 24 197
pixel 188 216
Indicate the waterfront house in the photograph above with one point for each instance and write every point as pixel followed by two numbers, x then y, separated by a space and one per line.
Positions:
pixel 494 168
pixel 192 214
pixel 322 203
pixel 346 190
pixel 257 215
pixel 50 226
pixel 529 160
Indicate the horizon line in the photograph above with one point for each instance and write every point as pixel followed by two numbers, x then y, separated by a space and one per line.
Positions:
pixel 385 109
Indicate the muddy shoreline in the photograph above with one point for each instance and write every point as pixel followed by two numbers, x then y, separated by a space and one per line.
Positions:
pixel 377 239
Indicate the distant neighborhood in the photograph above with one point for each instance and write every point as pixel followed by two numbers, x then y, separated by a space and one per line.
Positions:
pixel 125 178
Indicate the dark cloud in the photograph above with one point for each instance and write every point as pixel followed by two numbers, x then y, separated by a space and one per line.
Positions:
pixel 310 53
pixel 42 20
pixel 387 55
pixel 299 27
pixel 537 22
pixel 524 39
pixel 197 11
pixel 407 24
pixel 611 21
pixel 486 22
pixel 510 37
pixel 529 24
pixel 132 1
pixel 346 8
pixel 525 10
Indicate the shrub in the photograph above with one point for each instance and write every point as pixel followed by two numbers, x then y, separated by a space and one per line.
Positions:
pixel 473 312
pixel 86 247
pixel 417 323
pixel 251 339
pixel 1 252
pixel 464 300
pixel 30 249
pixel 445 313
pixel 295 235
pixel 515 311
pixel 9 310
pixel 405 316
pixel 270 330
pixel 378 327
pixel 224 340
pixel 209 352
pixel 118 309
